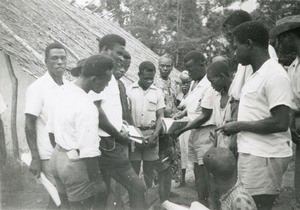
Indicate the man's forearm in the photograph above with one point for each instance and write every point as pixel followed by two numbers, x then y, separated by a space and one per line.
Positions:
pixel 196 123
pixel 265 126
pixel 30 131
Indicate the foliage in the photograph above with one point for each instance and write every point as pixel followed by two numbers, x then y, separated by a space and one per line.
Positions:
pixel 175 27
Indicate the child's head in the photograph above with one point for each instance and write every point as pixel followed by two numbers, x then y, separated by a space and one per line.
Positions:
pixel 218 75
pixel 221 164
pixel 185 81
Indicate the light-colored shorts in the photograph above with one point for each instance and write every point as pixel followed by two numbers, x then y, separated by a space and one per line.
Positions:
pixel 149 154
pixel 200 143
pixel 184 148
pixel 261 175
pixel 71 176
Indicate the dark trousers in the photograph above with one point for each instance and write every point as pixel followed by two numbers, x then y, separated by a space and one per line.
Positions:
pixel 202 183
pixel 128 178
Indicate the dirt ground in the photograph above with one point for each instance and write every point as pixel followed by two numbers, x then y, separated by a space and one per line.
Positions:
pixel 20 190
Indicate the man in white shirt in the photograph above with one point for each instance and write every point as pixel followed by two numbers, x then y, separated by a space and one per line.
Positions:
pixel 74 123
pixel 114 161
pixel 287 32
pixel 39 96
pixel 199 105
pixel 264 141
pixel 2 135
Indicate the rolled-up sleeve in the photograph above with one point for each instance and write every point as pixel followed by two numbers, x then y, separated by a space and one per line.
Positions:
pixel 207 100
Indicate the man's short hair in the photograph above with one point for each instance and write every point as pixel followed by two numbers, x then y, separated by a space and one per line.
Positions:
pixel 236 18
pixel 97 65
pixel 55 45
pixel 166 57
pixel 220 162
pixel 194 55
pixel 253 30
pixel 147 66
pixel 218 67
pixel 126 55
pixel 110 40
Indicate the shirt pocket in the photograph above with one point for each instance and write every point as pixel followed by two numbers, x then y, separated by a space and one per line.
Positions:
pixel 152 103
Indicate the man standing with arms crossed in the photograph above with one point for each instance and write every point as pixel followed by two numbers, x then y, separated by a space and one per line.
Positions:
pixel 263 140
pixel 39 97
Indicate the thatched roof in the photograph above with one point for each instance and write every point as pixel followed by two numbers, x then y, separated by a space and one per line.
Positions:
pixel 27 26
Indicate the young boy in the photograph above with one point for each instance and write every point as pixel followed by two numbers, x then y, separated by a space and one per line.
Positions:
pixel 221 165
pixel 219 76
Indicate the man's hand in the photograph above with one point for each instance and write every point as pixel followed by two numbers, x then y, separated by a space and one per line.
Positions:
pixel 152 141
pixel 124 137
pixel 36 167
pixel 230 128
pixel 99 184
pixel 178 115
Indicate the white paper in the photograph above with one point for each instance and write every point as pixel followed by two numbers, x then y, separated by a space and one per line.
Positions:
pixel 26 158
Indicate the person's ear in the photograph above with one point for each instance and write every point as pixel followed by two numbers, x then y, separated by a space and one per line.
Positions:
pixel 249 43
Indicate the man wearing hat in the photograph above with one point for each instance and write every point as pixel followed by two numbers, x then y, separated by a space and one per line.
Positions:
pixel 287 32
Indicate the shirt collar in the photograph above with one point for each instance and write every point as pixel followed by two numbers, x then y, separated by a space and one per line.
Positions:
pixel 225 195
pixel 136 85
pixel 51 81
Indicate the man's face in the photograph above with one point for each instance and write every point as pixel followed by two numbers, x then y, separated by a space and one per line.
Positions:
pixel 146 78
pixel 117 52
pixel 216 82
pixel 118 70
pixel 56 62
pixel 100 83
pixel 165 67
pixel 241 52
pixel 196 70
pixel 286 48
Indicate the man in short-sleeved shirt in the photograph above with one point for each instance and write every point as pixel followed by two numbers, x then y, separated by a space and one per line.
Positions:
pixel 264 141
pixel 39 97
pixel 74 123
pixel 147 107
pixel 199 105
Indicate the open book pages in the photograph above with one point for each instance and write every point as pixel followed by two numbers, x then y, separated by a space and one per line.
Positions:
pixel 170 125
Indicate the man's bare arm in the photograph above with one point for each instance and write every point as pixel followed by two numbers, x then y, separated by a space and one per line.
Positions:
pixel 106 126
pixel 30 131
pixel 278 122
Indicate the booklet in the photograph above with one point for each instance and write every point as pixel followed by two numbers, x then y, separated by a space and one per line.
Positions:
pixel 26 158
pixel 170 125
pixel 135 133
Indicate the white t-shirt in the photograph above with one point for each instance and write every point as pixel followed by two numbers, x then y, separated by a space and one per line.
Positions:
pixel 39 97
pixel 267 88
pixel 74 121
pixel 242 74
pixel 2 105
pixel 111 104
pixel 200 96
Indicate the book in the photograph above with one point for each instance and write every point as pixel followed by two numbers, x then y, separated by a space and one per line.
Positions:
pixel 51 189
pixel 170 125
pixel 134 133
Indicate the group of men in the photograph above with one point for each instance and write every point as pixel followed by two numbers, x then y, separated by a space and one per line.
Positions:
pixel 77 134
